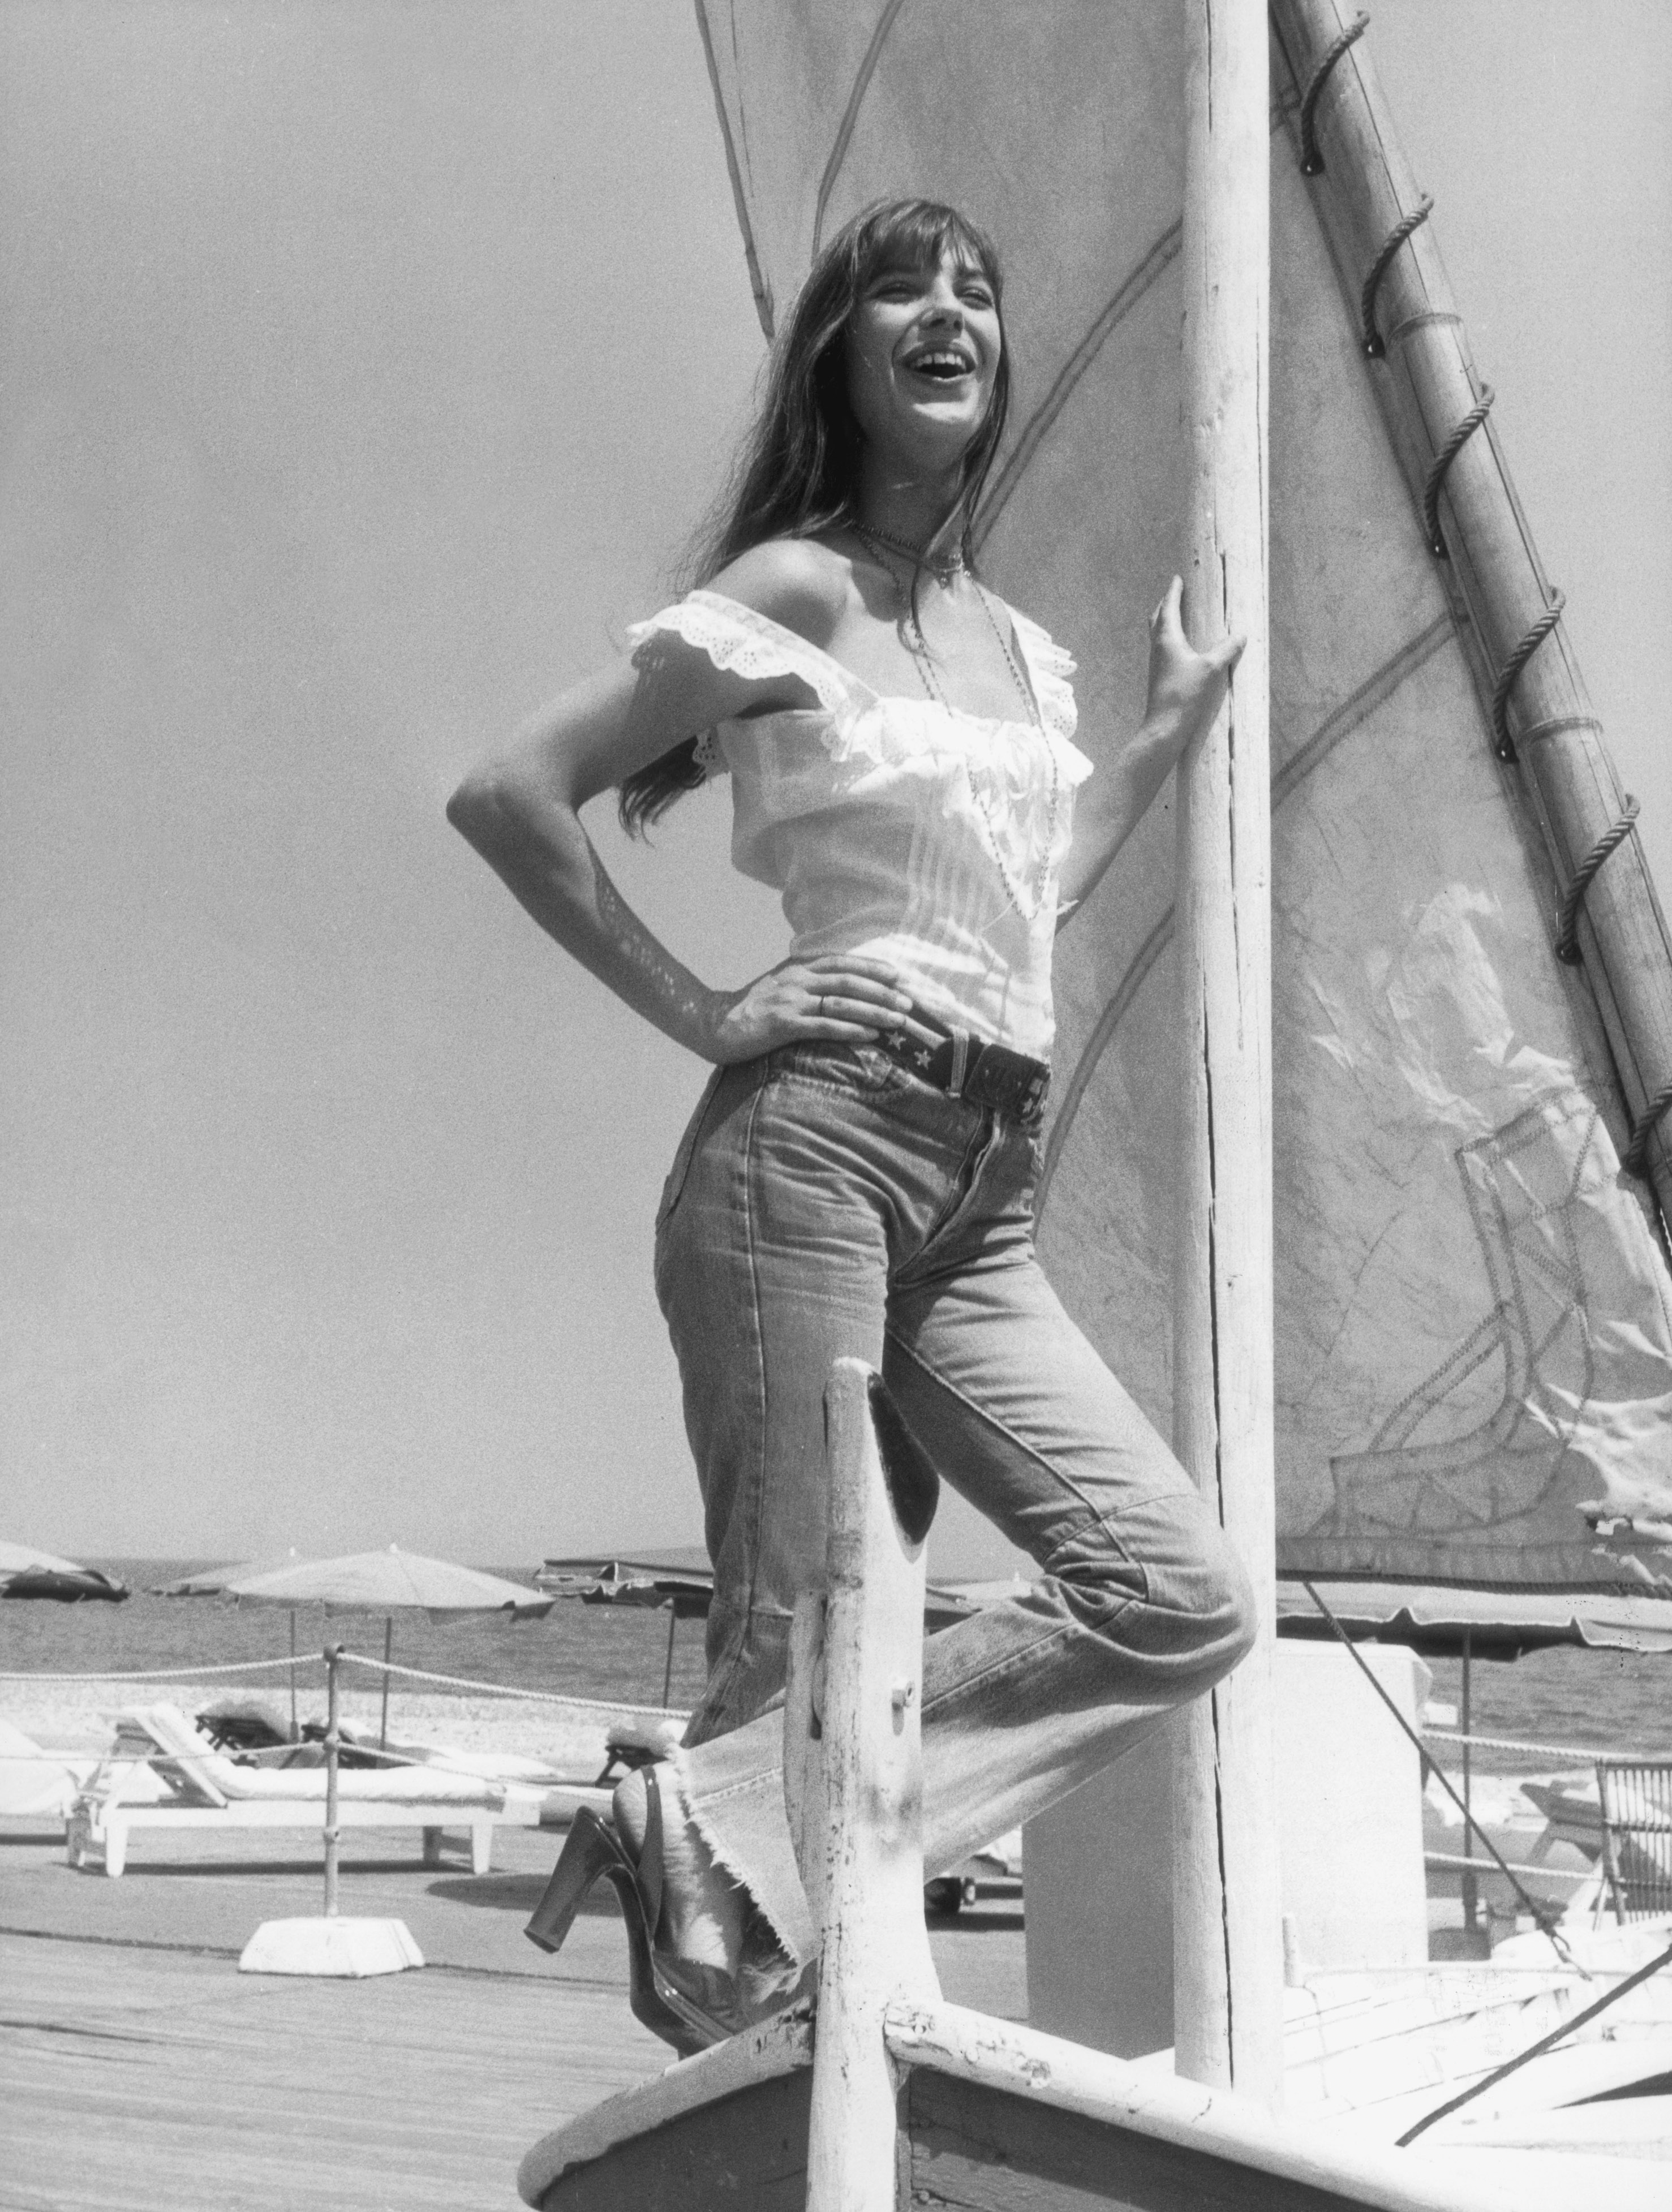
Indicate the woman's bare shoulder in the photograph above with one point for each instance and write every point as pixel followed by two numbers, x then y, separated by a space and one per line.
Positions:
pixel 795 581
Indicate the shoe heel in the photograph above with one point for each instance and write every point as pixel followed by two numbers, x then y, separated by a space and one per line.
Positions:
pixel 590 1849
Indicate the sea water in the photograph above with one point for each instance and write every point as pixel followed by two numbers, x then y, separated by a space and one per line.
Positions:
pixel 613 1652
pixel 1612 1701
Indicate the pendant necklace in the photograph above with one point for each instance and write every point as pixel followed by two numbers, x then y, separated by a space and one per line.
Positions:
pixel 917 645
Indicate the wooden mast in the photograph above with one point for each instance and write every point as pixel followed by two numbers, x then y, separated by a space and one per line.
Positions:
pixel 1375 218
pixel 1227 1941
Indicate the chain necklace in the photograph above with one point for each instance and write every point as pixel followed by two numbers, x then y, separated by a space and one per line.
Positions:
pixel 943 567
pixel 917 645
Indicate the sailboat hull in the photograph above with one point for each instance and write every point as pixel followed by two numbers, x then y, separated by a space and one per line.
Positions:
pixel 995 2117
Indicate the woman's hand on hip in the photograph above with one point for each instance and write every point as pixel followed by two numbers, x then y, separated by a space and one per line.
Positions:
pixel 843 998
pixel 1186 688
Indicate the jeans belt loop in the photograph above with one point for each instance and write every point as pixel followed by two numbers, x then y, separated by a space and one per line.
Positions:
pixel 960 1063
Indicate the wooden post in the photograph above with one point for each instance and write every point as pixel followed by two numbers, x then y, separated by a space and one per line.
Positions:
pixel 332 1833
pixel 868 1875
pixel 1228 1957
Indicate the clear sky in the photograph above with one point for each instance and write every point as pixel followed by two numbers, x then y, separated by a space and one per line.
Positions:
pixel 367 364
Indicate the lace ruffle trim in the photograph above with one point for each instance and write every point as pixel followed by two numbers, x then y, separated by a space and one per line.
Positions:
pixel 1051 668
pixel 751 645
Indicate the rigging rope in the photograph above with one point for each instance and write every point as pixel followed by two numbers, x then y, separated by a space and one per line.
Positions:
pixel 1635 1157
pixel 1539 1913
pixel 1512 668
pixel 1311 161
pixel 1567 921
pixel 1395 237
pixel 1443 460
pixel 1535 2050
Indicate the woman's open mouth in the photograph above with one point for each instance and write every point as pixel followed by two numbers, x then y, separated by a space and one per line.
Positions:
pixel 940 364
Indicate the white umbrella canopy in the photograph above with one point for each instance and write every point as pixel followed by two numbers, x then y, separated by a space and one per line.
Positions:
pixel 390 1581
pixel 215 1582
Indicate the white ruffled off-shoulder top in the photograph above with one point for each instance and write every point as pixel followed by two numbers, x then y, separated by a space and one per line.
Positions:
pixel 899 827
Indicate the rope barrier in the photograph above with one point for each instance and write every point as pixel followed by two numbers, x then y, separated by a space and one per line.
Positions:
pixel 1436 475
pixel 1512 668
pixel 172 1673
pixel 500 1689
pixel 1589 1755
pixel 1311 161
pixel 1568 921
pixel 1374 344
pixel 1635 1157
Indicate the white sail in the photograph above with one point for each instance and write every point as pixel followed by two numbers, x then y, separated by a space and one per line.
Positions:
pixel 1474 1316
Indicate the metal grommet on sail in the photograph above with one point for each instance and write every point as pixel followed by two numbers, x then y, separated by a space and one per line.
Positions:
pixel 1374 345
pixel 1512 668
pixel 1311 161
pixel 1567 921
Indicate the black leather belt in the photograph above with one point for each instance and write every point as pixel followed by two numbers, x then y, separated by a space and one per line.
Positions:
pixel 990 1074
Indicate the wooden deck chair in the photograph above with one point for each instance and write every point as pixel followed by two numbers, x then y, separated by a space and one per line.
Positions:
pixel 209 1791
pixel 1636 1798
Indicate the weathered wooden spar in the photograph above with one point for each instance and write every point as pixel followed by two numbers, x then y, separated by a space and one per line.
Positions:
pixel 892 2097
pixel 1425 381
pixel 1227 1941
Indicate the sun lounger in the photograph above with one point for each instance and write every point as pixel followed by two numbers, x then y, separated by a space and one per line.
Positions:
pixel 209 1791
pixel 35 1784
pixel 536 1795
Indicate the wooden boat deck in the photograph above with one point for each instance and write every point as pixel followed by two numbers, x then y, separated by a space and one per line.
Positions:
pixel 138 2066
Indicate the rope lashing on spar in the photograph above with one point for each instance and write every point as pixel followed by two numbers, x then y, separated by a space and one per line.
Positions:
pixel 1512 668
pixel 1567 921
pixel 1635 1157
pixel 1311 161
pixel 1436 475
pixel 1374 344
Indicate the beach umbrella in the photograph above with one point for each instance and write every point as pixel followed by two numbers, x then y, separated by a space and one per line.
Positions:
pixel 681 1579
pixel 215 1582
pixel 385 1581
pixel 389 1582
pixel 25 1572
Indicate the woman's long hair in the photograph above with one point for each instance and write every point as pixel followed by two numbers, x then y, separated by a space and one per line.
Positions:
pixel 798 472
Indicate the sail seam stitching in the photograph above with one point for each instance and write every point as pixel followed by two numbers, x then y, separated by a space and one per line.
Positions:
pixel 1371 694
pixel 867 70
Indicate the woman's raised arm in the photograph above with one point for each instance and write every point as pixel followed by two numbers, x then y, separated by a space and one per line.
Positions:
pixel 1185 691
pixel 521 811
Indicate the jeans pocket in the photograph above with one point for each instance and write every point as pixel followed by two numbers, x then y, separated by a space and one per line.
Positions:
pixel 673 1189
pixel 864 1071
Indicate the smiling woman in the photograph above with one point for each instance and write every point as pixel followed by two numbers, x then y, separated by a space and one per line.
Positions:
pixel 858 1178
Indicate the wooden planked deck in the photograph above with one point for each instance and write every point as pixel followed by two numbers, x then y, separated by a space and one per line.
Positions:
pixel 138 2066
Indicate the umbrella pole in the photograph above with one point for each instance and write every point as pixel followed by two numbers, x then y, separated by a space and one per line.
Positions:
pixel 388 1653
pixel 1470 1888
pixel 667 1671
pixel 332 1653
pixel 295 1732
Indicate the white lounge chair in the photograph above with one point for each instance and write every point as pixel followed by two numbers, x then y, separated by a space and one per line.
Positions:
pixel 35 1784
pixel 211 1792
pixel 536 1795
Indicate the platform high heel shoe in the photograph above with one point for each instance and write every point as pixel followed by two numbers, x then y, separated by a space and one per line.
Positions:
pixel 687 2004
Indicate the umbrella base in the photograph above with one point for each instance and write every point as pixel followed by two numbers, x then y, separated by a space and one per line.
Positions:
pixel 347 1948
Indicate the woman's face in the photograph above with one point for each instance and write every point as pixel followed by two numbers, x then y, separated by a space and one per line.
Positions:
pixel 923 350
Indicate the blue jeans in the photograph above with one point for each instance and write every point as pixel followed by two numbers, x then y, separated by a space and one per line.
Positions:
pixel 825 1201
